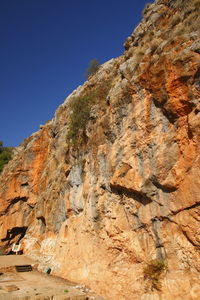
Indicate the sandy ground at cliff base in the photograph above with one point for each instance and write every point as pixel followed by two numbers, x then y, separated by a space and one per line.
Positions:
pixel 35 285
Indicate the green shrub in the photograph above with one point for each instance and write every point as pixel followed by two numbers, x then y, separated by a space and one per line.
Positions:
pixel 92 68
pixel 153 272
pixel 80 109
pixel 5 155
pixel 80 113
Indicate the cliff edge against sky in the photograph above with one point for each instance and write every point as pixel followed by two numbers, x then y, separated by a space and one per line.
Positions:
pixel 107 193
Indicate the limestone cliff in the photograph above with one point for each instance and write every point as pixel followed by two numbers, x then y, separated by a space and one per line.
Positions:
pixel 104 193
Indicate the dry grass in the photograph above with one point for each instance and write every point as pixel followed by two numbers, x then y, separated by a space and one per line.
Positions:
pixel 155 45
pixel 175 20
pixel 192 5
pixel 146 8
pixel 138 58
pixel 192 22
pixel 153 272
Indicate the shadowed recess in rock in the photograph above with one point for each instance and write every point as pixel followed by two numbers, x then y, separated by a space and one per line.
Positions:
pixel 15 231
pixel 14 201
pixel 165 189
pixel 139 197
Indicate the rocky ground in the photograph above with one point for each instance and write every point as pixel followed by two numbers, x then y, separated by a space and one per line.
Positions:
pixel 35 285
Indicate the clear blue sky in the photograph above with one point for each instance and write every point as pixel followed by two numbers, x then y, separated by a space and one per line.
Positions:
pixel 45 48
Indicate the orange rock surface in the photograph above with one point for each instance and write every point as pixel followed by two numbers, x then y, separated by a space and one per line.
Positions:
pixel 98 211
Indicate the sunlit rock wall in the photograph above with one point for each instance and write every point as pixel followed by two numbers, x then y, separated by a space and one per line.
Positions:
pixel 98 211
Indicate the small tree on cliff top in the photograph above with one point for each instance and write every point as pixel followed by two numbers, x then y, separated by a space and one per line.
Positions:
pixel 92 68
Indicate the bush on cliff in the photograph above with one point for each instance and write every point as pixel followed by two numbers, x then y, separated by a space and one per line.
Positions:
pixel 92 68
pixel 80 113
pixel 153 272
pixel 5 155
pixel 80 109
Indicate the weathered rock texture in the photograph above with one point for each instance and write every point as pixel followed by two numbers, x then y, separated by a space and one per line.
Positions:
pixel 99 209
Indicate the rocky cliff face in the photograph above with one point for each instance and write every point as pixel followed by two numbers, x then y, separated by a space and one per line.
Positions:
pixel 108 195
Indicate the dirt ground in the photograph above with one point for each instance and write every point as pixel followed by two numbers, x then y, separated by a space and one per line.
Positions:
pixel 34 285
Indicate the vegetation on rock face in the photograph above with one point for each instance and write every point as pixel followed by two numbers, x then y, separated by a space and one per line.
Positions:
pixel 80 113
pixel 153 272
pixel 146 8
pixel 80 110
pixel 92 68
pixel 5 155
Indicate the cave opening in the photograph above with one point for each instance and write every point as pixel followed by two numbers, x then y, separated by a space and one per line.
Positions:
pixel 14 232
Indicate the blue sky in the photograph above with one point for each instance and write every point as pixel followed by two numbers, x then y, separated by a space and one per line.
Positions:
pixel 45 48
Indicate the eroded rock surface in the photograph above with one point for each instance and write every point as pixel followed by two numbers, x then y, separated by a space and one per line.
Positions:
pixel 126 192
